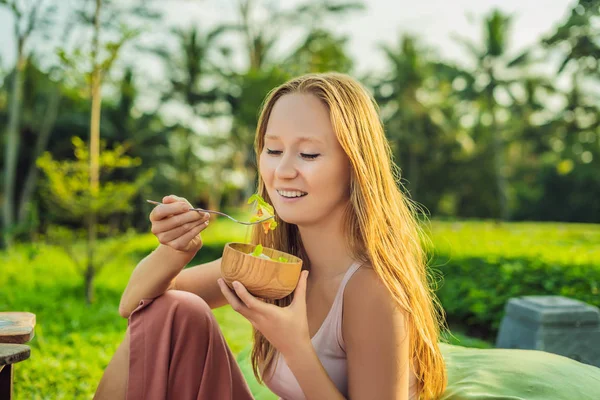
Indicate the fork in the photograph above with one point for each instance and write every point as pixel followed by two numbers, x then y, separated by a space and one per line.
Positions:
pixel 220 213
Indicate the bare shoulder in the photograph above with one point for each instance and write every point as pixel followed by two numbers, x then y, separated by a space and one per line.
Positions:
pixel 365 290
pixel 369 306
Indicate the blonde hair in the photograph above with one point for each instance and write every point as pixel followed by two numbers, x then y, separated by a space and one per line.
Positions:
pixel 380 221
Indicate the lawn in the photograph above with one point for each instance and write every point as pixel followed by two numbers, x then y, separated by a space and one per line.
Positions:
pixel 562 243
pixel 74 342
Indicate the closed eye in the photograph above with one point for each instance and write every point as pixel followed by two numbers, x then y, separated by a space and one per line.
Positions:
pixel 269 151
pixel 304 155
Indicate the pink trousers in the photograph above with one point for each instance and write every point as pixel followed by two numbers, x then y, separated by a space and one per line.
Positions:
pixel 177 352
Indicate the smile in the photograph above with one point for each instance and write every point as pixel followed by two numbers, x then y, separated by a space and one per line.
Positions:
pixel 291 194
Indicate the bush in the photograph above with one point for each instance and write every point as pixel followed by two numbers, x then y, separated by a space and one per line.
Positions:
pixel 483 265
pixel 475 290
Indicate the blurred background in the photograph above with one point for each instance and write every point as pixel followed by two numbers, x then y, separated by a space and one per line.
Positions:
pixel 491 108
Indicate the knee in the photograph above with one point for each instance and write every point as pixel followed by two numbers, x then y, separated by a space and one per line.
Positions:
pixel 186 308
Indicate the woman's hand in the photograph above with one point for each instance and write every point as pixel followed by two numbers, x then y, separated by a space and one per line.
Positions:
pixel 285 327
pixel 176 226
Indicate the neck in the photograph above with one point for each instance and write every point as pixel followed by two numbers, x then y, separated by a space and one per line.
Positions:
pixel 327 247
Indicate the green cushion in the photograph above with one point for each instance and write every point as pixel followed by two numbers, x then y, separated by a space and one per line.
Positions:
pixel 517 374
pixel 495 374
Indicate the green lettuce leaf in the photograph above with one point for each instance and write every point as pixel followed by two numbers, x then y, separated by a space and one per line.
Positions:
pixel 257 250
pixel 264 210
pixel 262 204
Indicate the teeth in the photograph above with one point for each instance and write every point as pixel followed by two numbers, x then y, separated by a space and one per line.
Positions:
pixel 285 193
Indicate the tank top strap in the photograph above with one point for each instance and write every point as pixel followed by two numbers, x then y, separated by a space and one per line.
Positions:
pixel 333 325
pixel 353 268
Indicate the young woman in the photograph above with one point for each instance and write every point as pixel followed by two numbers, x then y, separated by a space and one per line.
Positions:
pixel 362 322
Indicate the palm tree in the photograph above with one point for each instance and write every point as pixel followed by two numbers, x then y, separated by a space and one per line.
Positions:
pixel 320 51
pixel 261 36
pixel 415 124
pixel 491 65
pixel 189 70
pixel 579 35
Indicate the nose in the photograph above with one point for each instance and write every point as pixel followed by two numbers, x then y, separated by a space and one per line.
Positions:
pixel 286 168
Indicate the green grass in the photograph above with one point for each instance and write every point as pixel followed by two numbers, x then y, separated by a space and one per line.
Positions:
pixel 561 243
pixel 74 343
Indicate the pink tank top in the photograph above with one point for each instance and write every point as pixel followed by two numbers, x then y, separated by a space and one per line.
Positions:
pixel 331 350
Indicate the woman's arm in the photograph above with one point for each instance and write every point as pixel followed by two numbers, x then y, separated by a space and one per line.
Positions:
pixel 161 270
pixel 377 340
pixel 311 375
pixel 178 232
pixel 153 276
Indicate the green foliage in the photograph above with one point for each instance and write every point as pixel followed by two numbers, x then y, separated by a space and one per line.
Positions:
pixel 483 265
pixel 68 189
pixel 321 51
pixel 557 243
pixel 579 33
pixel 80 56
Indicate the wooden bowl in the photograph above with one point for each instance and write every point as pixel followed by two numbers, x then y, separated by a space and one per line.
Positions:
pixel 267 279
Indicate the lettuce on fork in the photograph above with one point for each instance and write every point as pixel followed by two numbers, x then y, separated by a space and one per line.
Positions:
pixel 264 210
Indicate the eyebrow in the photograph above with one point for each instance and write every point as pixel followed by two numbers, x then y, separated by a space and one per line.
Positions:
pixel 300 139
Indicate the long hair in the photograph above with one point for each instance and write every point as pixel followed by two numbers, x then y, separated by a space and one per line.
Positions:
pixel 379 221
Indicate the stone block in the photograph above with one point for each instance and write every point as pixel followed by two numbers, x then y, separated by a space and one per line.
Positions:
pixel 555 324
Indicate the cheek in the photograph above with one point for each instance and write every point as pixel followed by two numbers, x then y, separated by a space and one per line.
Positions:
pixel 265 168
pixel 330 178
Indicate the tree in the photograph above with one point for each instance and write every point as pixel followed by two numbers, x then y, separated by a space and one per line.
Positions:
pixel 72 195
pixel 406 117
pixel 260 36
pixel 91 62
pixel 580 36
pixel 28 17
pixel 321 51
pixel 491 64
pixel 45 101
pixel 146 137
pixel 193 171
pixel 569 157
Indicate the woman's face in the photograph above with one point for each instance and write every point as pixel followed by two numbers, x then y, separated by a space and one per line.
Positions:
pixel 305 170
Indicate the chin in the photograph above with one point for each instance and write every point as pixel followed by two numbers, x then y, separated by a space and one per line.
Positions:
pixel 288 218
pixel 299 221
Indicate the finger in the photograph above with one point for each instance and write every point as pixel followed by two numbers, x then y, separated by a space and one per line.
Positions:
pixel 166 210
pixel 173 198
pixel 177 232
pixel 182 242
pixel 300 291
pixel 250 301
pixel 178 220
pixel 232 299
pixel 169 199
